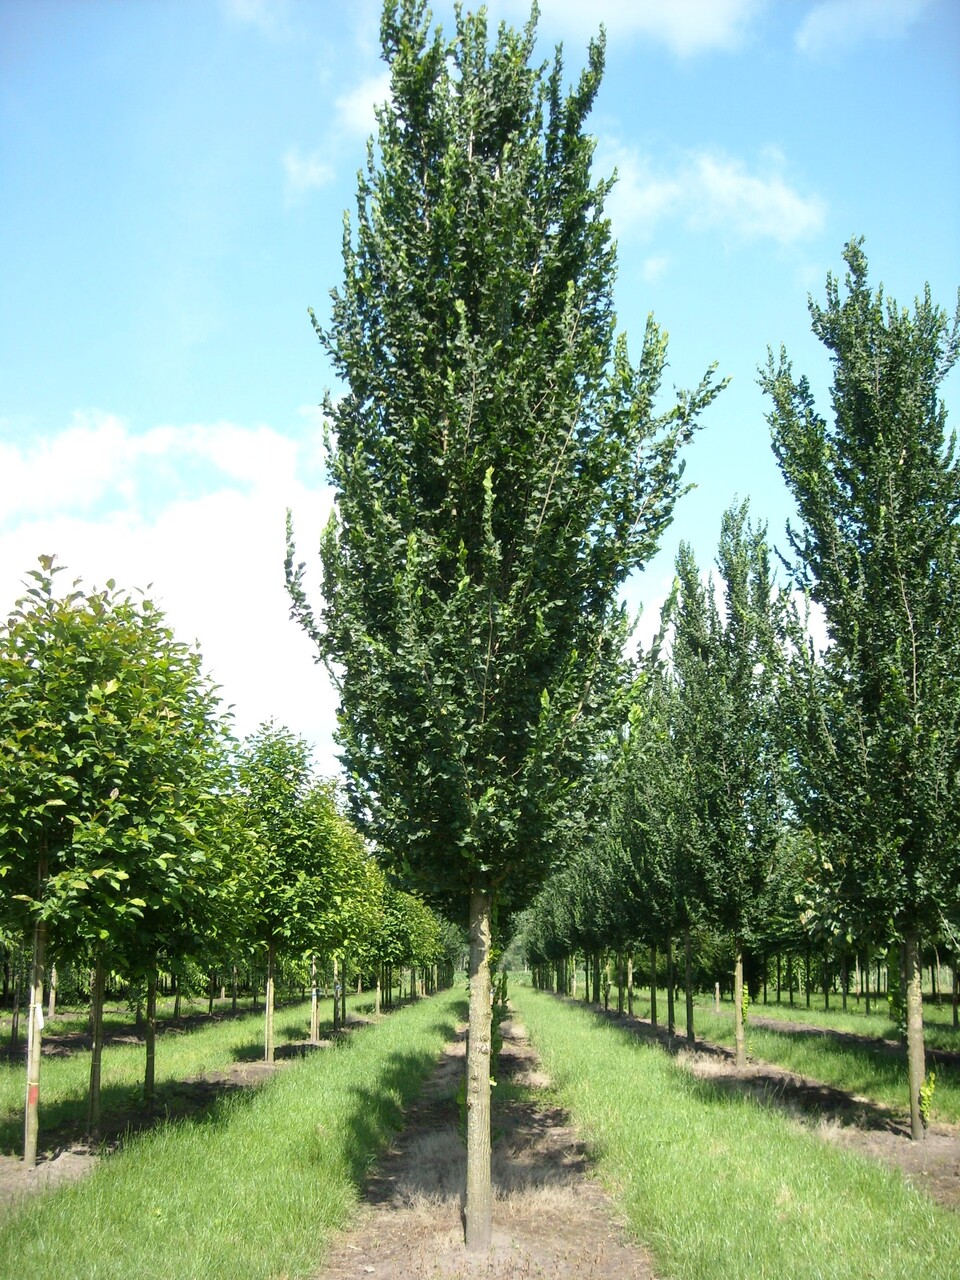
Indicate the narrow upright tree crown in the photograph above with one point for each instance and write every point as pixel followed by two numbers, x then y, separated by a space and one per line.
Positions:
pixel 878 491
pixel 498 462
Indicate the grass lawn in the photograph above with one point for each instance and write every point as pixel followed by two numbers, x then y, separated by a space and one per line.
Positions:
pixel 255 1187
pixel 722 1188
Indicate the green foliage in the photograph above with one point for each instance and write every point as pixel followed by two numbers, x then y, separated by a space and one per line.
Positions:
pixel 726 660
pixel 499 464
pixel 112 766
pixel 926 1096
pixel 875 724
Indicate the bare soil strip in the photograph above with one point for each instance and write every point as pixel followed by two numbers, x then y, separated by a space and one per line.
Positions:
pixel 551 1216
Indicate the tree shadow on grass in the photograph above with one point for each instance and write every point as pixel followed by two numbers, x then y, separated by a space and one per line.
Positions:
pixel 764 1083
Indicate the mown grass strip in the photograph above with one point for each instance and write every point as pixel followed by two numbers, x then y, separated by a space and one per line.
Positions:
pixel 718 1186
pixel 182 1053
pixel 253 1190
pixel 865 1070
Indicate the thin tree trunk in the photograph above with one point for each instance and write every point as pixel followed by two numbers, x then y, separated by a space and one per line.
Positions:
pixel 653 984
pixel 378 993
pixel 479 1200
pixel 336 996
pixel 671 1019
pixel 630 983
pixel 31 1119
pixel 343 993
pixel 314 1003
pixel 150 1072
pixel 96 1055
pixel 826 981
pixel 234 999
pixel 866 979
pixel 934 970
pixel 268 1005
pixel 739 1036
pixel 778 977
pixel 790 976
pixel 688 984
pixel 177 996
pixel 620 983
pixel 52 998
pixel 956 993
pixel 844 978
pixel 916 1065
pixel 15 1021
pixel 808 976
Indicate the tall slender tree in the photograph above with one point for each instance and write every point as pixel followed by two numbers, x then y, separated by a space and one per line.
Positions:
pixel 726 658
pixel 499 469
pixel 877 741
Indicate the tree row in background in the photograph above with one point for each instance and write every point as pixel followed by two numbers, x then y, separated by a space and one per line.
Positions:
pixel 784 795
pixel 137 837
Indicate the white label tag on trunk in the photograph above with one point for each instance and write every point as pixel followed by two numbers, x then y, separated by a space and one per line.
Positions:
pixel 39 1018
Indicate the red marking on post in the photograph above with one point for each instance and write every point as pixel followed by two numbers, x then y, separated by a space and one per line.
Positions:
pixel 33 1097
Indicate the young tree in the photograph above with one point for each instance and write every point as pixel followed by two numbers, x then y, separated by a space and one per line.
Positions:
pixel 877 739
pixel 111 744
pixel 726 660
pixel 499 471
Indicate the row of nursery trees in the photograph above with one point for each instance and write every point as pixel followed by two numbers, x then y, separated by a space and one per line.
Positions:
pixel 718 812
pixel 501 465
pixel 136 836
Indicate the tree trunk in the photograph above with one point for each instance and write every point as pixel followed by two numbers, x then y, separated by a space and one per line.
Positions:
pixel 336 996
pixel 956 994
pixel 916 1066
pixel 150 1072
pixel 31 1118
pixel 52 998
pixel 778 977
pixel 314 1003
pixel 826 981
pixel 790 976
pixel 96 1055
pixel 866 979
pixel 688 984
pixel 653 984
pixel 378 992
pixel 739 1036
pixel 844 978
pixel 620 983
pixel 177 995
pixel 630 983
pixel 268 1004
pixel 15 1020
pixel 479 1202
pixel 671 1019
pixel 808 976
pixel 234 994
pixel 343 993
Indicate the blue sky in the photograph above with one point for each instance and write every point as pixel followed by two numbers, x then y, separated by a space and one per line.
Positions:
pixel 173 177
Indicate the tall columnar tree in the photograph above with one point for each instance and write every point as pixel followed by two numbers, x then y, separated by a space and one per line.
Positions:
pixel 111 749
pixel 878 548
pixel 726 657
pixel 499 470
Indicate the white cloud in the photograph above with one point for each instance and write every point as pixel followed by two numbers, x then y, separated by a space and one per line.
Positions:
pixel 108 503
pixel 355 109
pixel 655 267
pixel 832 25
pixel 305 172
pixel 686 27
pixel 268 16
pixel 709 190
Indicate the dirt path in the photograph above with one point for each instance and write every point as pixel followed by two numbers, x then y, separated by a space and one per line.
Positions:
pixel 551 1217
